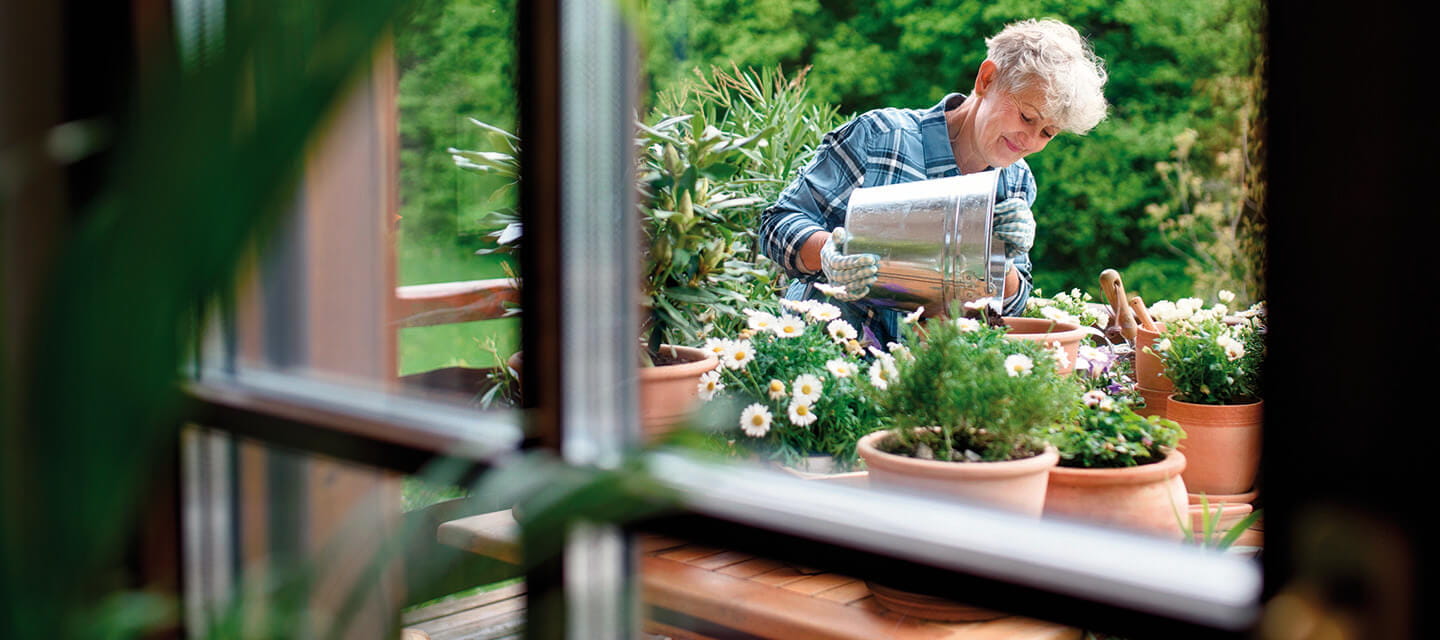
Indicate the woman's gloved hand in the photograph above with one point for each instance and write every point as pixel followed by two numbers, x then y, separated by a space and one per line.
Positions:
pixel 850 276
pixel 1014 225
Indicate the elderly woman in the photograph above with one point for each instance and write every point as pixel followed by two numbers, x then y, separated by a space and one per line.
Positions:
pixel 1039 78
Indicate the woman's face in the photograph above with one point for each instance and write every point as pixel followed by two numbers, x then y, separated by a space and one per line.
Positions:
pixel 1009 125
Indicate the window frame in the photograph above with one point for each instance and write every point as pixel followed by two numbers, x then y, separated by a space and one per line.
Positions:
pixel 588 429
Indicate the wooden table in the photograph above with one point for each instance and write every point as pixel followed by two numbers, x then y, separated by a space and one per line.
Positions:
pixel 693 592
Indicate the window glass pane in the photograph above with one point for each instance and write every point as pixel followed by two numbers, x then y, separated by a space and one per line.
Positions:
pixel 742 102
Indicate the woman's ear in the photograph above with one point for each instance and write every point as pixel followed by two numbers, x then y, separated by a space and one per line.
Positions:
pixel 985 77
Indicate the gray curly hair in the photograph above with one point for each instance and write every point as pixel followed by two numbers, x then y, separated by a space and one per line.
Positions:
pixel 1052 55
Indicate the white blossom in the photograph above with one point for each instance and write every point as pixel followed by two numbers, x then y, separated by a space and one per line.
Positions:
pixel 1226 296
pixel 1018 365
pixel 839 368
pixel 841 330
pixel 739 355
pixel 801 413
pixel 789 326
pixel 967 325
pixel 710 384
pixel 806 387
pixel 755 420
pixel 822 312
pixel 911 317
pixel 776 389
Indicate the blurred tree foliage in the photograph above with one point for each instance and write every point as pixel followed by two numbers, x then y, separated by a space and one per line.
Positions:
pixel 1169 65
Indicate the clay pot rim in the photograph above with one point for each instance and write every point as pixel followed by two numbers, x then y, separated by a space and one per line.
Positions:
pixel 697 361
pixel 1247 497
pixel 1151 335
pixel 874 458
pixel 1171 465
pixel 1172 398
pixel 1064 331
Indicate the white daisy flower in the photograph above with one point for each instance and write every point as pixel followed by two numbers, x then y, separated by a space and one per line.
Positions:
pixel 806 387
pixel 797 306
pixel 755 420
pixel 881 375
pixel 900 351
pixel 830 289
pixel 739 355
pixel 967 325
pixel 776 389
pixel 1018 365
pixel 717 346
pixel 1163 345
pixel 1107 404
pixel 841 330
pixel 800 413
pixel 823 312
pixel 759 320
pixel 1234 349
pixel 1093 397
pixel 1058 315
pixel 840 368
pixel 911 317
pixel 1226 296
pixel 1062 358
pixel 789 326
pixel 710 384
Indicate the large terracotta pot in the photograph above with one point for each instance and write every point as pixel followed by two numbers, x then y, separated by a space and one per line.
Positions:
pixel 1014 485
pixel 1148 498
pixel 670 393
pixel 1149 369
pixel 1221 443
pixel 1047 332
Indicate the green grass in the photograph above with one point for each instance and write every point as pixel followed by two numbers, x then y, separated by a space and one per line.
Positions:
pixel 432 259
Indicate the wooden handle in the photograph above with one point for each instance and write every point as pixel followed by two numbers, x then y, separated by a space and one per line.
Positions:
pixel 1138 306
pixel 1115 290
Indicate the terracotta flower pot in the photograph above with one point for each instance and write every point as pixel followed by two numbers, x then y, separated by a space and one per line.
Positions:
pixel 1047 332
pixel 1013 485
pixel 1156 401
pixel 670 393
pixel 1149 369
pixel 1222 444
pixel 1146 498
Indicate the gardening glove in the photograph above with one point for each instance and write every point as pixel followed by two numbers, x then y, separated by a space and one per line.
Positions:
pixel 1015 226
pixel 850 276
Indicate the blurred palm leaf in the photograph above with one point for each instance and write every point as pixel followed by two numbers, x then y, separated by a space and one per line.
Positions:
pixel 204 159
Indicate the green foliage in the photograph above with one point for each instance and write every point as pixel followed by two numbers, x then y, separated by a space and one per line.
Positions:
pixel 1210 536
pixel 1212 362
pixel 1172 66
pixel 987 396
pixel 1107 433
pixel 455 60
pixel 806 372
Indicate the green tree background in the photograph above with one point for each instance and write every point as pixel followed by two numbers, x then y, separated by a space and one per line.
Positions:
pixel 1174 66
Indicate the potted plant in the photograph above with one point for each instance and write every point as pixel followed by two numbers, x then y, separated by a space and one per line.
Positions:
pixel 1151 382
pixel 794 387
pixel 1117 467
pixel 966 407
pixel 1216 369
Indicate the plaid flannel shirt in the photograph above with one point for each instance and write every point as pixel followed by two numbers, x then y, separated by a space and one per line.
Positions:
pixel 883 146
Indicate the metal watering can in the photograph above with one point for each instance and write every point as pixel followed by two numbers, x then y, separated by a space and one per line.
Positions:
pixel 933 239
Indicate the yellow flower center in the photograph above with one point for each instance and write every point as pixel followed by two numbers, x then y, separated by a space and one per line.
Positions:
pixel 757 419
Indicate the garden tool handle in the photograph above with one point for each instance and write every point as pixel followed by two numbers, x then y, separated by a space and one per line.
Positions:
pixel 1138 306
pixel 1115 290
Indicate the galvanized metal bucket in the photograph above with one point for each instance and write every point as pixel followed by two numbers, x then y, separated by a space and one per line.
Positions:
pixel 933 239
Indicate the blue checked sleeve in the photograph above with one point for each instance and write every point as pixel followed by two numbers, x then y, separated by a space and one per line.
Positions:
pixel 816 200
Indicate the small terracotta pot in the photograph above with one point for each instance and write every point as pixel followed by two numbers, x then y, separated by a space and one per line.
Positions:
pixel 1047 332
pixel 1149 369
pixel 1146 498
pixel 1222 443
pixel 670 393
pixel 1013 485
pixel 1156 401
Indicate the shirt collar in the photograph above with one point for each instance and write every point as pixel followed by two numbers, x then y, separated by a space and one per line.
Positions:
pixel 935 138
